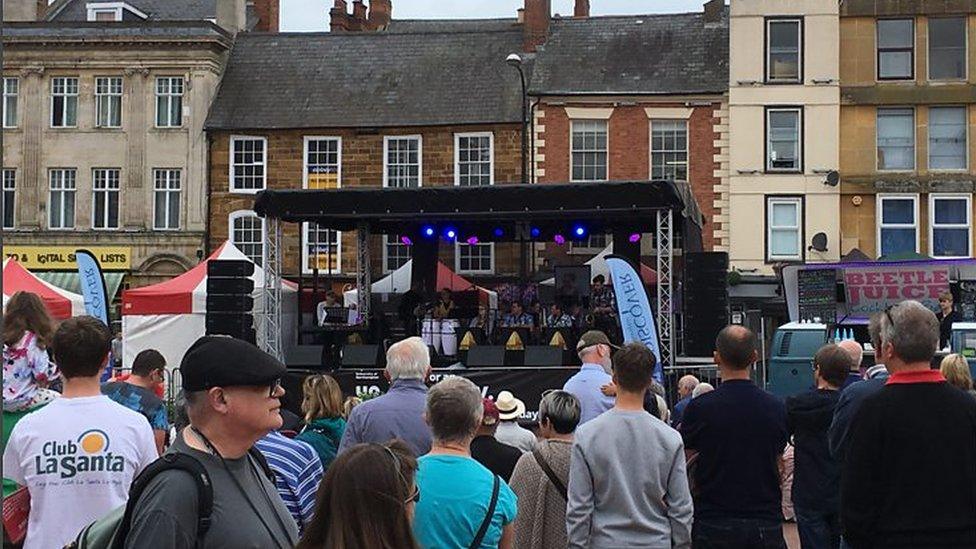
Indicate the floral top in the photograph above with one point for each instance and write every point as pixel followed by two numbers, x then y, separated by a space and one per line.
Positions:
pixel 25 366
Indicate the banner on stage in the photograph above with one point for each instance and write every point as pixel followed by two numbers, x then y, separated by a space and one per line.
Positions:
pixel 636 317
pixel 872 289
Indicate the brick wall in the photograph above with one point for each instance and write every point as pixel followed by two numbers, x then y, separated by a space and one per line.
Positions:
pixel 361 166
pixel 629 150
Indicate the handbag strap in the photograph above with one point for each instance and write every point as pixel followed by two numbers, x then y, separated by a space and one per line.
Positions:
pixel 550 473
pixel 487 522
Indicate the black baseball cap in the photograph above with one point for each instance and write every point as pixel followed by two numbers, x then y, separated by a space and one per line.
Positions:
pixel 222 361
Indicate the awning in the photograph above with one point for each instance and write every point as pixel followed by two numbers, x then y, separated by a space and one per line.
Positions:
pixel 68 280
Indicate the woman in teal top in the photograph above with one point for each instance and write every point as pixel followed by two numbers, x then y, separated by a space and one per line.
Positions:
pixel 324 425
pixel 456 490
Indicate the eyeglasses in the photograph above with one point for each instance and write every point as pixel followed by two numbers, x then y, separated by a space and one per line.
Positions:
pixel 887 313
pixel 273 387
pixel 415 496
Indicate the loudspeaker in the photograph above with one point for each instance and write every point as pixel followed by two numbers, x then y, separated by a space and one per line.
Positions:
pixel 706 305
pixel 304 356
pixel 229 303
pixel 543 355
pixel 237 286
pixel 231 268
pixel 483 356
pixel 360 356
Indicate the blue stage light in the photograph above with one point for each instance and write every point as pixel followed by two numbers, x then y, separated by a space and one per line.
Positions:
pixel 579 230
pixel 428 231
pixel 535 232
pixel 499 232
pixel 450 233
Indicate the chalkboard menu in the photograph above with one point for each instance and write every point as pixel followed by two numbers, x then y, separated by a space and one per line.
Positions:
pixel 967 300
pixel 818 294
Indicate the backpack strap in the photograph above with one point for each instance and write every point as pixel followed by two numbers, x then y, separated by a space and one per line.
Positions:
pixel 476 543
pixel 550 473
pixel 166 462
pixel 257 456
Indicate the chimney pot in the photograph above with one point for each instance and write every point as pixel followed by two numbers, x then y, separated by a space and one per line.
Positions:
pixel 338 17
pixel 358 21
pixel 380 14
pixel 582 8
pixel 520 15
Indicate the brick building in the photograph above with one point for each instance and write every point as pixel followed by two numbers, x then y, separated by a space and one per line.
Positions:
pixel 634 97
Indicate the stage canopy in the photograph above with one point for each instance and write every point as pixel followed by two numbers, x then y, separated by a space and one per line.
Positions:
pixel 60 303
pixel 488 211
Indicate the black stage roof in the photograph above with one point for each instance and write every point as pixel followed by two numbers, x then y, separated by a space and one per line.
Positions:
pixel 497 209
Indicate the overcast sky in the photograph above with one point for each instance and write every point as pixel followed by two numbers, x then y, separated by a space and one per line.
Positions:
pixel 313 15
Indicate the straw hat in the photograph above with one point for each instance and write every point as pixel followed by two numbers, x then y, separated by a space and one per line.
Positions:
pixel 508 406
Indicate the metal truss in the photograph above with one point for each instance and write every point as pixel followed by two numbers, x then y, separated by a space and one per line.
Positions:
pixel 272 289
pixel 665 289
pixel 363 282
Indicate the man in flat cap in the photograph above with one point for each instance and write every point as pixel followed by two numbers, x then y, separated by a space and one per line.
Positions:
pixel 232 394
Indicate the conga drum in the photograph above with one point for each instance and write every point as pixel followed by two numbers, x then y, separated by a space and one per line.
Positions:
pixel 449 336
pixel 431 333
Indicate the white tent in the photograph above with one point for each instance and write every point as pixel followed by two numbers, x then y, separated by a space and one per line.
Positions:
pixel 171 315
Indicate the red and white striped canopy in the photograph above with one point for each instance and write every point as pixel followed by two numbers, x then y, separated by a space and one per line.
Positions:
pixel 61 303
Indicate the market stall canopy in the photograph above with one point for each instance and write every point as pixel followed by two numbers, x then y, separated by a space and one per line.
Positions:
pixel 71 282
pixel 60 303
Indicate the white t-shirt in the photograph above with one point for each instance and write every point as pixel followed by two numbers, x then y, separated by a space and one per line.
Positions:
pixel 77 457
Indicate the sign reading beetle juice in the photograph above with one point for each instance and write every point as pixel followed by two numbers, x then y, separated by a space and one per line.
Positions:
pixel 872 289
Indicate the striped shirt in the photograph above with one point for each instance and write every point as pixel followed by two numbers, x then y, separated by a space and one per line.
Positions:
pixel 298 472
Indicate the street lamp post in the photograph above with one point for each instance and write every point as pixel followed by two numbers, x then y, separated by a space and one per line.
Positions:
pixel 515 61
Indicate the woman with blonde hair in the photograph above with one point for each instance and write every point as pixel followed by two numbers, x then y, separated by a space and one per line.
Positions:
pixel 27 369
pixel 322 406
pixel 956 371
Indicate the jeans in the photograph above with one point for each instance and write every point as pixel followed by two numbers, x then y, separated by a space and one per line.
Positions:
pixel 737 534
pixel 817 529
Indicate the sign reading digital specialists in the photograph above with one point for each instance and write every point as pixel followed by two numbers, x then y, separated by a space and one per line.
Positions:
pixel 62 258
pixel 872 289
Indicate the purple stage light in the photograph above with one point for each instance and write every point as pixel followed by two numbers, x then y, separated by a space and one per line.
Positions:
pixel 406 240
pixel 560 239
pixel 634 237
pixel 472 240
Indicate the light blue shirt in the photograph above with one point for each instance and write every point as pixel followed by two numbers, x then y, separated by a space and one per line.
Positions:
pixel 455 492
pixel 397 414
pixel 585 385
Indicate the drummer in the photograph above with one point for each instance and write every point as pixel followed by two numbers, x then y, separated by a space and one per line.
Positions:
pixel 445 305
pixel 518 318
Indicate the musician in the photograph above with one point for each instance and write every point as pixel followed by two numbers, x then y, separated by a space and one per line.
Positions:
pixel 518 318
pixel 483 321
pixel 445 305
pixel 603 305
pixel 557 318
pixel 332 299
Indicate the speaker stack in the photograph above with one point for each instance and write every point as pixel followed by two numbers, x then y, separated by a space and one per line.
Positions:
pixel 230 305
pixel 706 295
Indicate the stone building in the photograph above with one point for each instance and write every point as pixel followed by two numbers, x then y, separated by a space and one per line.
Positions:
pixel 908 88
pixel 103 112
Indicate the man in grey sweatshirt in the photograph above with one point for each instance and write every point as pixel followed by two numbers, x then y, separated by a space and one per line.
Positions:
pixel 627 480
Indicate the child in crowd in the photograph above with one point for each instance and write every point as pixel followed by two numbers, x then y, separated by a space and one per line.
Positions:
pixel 27 368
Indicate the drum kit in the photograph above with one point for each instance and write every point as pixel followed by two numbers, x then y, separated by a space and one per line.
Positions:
pixel 441 334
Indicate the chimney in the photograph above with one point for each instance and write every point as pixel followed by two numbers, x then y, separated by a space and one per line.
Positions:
pixel 267 12
pixel 713 10
pixel 520 15
pixel 380 14
pixel 358 19
pixel 338 17
pixel 21 10
pixel 231 15
pixel 582 8
pixel 535 29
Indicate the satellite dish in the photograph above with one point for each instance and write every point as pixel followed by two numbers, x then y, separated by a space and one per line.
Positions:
pixel 819 242
pixel 833 178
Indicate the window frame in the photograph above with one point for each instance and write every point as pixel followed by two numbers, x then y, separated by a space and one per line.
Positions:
pixel 15 97
pixel 878 50
pixel 880 224
pixel 99 97
pixel 157 96
pixel 231 164
pixel 800 203
pixel 651 151
pixel 117 8
pixel 10 223
pixel 386 242
pixel 767 79
pixel 237 214
pixel 877 136
pixel 965 48
pixel 457 156
pixel 386 159
pixel 66 97
pixel 968 198
pixel 606 152
pixel 965 124
pixel 167 191
pixel 107 191
pixel 491 259
pixel 305 143
pixel 63 191
pixel 799 139
pixel 306 256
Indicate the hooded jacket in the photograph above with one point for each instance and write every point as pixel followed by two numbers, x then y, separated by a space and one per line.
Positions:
pixel 324 434
pixel 816 476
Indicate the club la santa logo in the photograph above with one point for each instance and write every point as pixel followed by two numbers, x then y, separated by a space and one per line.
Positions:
pixel 90 452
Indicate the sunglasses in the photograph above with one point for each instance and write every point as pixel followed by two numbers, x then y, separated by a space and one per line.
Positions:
pixel 415 496
pixel 887 313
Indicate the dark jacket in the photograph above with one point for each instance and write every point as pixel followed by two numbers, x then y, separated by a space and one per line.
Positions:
pixel 847 406
pixel 323 435
pixel 497 457
pixel 945 326
pixel 816 475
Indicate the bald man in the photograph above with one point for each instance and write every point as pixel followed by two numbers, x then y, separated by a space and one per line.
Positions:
pixel 856 352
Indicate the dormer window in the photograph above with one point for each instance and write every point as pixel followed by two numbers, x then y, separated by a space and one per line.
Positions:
pixel 113 11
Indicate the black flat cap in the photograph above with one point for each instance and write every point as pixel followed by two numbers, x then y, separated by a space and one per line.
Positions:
pixel 221 361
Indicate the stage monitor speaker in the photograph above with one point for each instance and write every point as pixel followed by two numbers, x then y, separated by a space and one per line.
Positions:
pixel 486 356
pixel 236 286
pixel 228 323
pixel 304 356
pixel 217 303
pixel 543 355
pixel 706 301
pixel 231 268
pixel 360 356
